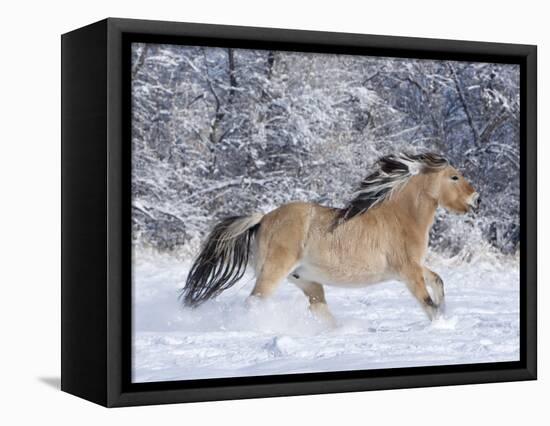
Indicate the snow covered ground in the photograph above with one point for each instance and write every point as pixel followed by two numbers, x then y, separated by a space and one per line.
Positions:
pixel 379 327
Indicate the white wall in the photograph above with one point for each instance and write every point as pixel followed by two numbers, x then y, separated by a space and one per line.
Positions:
pixel 30 200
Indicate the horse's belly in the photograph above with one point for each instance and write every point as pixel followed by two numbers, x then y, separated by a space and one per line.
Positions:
pixel 340 277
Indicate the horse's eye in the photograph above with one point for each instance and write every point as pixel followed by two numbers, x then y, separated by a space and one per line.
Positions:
pixel 454 177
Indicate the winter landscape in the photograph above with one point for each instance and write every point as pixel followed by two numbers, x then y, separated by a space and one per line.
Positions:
pixel 219 132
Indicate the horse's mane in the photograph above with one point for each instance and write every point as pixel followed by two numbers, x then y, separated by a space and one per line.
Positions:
pixel 392 174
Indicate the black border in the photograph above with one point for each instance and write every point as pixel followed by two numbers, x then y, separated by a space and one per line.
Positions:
pixel 120 389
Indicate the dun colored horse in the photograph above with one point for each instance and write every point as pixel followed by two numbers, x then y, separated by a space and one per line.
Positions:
pixel 381 234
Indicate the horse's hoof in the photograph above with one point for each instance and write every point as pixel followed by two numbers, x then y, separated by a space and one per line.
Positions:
pixel 321 313
pixel 252 301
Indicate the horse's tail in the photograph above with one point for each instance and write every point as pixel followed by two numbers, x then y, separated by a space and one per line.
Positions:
pixel 223 259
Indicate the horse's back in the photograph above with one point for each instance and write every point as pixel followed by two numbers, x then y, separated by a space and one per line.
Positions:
pixel 290 222
pixel 296 218
pixel 284 231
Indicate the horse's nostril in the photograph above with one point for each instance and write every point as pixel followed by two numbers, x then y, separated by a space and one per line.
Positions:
pixel 476 201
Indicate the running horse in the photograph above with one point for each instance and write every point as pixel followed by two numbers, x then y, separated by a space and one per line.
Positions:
pixel 381 234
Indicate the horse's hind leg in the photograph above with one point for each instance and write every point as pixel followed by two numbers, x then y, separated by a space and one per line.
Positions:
pixel 279 244
pixel 278 264
pixel 413 275
pixel 317 302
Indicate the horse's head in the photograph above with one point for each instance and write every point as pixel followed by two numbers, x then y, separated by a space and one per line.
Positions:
pixel 427 172
pixel 455 192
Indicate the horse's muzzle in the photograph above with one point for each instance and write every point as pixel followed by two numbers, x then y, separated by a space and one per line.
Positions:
pixel 475 202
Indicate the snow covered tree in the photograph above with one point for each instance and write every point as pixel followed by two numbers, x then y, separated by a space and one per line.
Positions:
pixel 222 131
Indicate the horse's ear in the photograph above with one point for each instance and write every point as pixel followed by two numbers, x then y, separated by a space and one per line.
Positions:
pixel 433 163
pixel 432 170
pixel 426 169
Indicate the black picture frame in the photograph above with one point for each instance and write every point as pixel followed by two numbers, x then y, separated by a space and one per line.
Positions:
pixel 96 218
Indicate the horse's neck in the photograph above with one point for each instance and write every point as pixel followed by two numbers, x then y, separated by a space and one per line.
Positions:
pixel 414 204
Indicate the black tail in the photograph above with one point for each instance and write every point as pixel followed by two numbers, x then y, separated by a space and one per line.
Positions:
pixel 222 261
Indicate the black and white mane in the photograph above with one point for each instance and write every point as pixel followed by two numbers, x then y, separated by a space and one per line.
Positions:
pixel 393 173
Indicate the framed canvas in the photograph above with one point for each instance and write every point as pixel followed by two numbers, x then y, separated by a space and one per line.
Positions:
pixel 253 212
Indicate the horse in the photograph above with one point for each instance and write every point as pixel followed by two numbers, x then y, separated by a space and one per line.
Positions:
pixel 382 234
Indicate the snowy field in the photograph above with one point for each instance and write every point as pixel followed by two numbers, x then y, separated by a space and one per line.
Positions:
pixel 381 326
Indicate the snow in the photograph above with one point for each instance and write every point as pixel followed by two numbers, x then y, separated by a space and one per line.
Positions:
pixel 380 326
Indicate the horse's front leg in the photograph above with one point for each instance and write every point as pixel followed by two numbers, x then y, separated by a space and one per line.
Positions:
pixel 436 284
pixel 413 275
